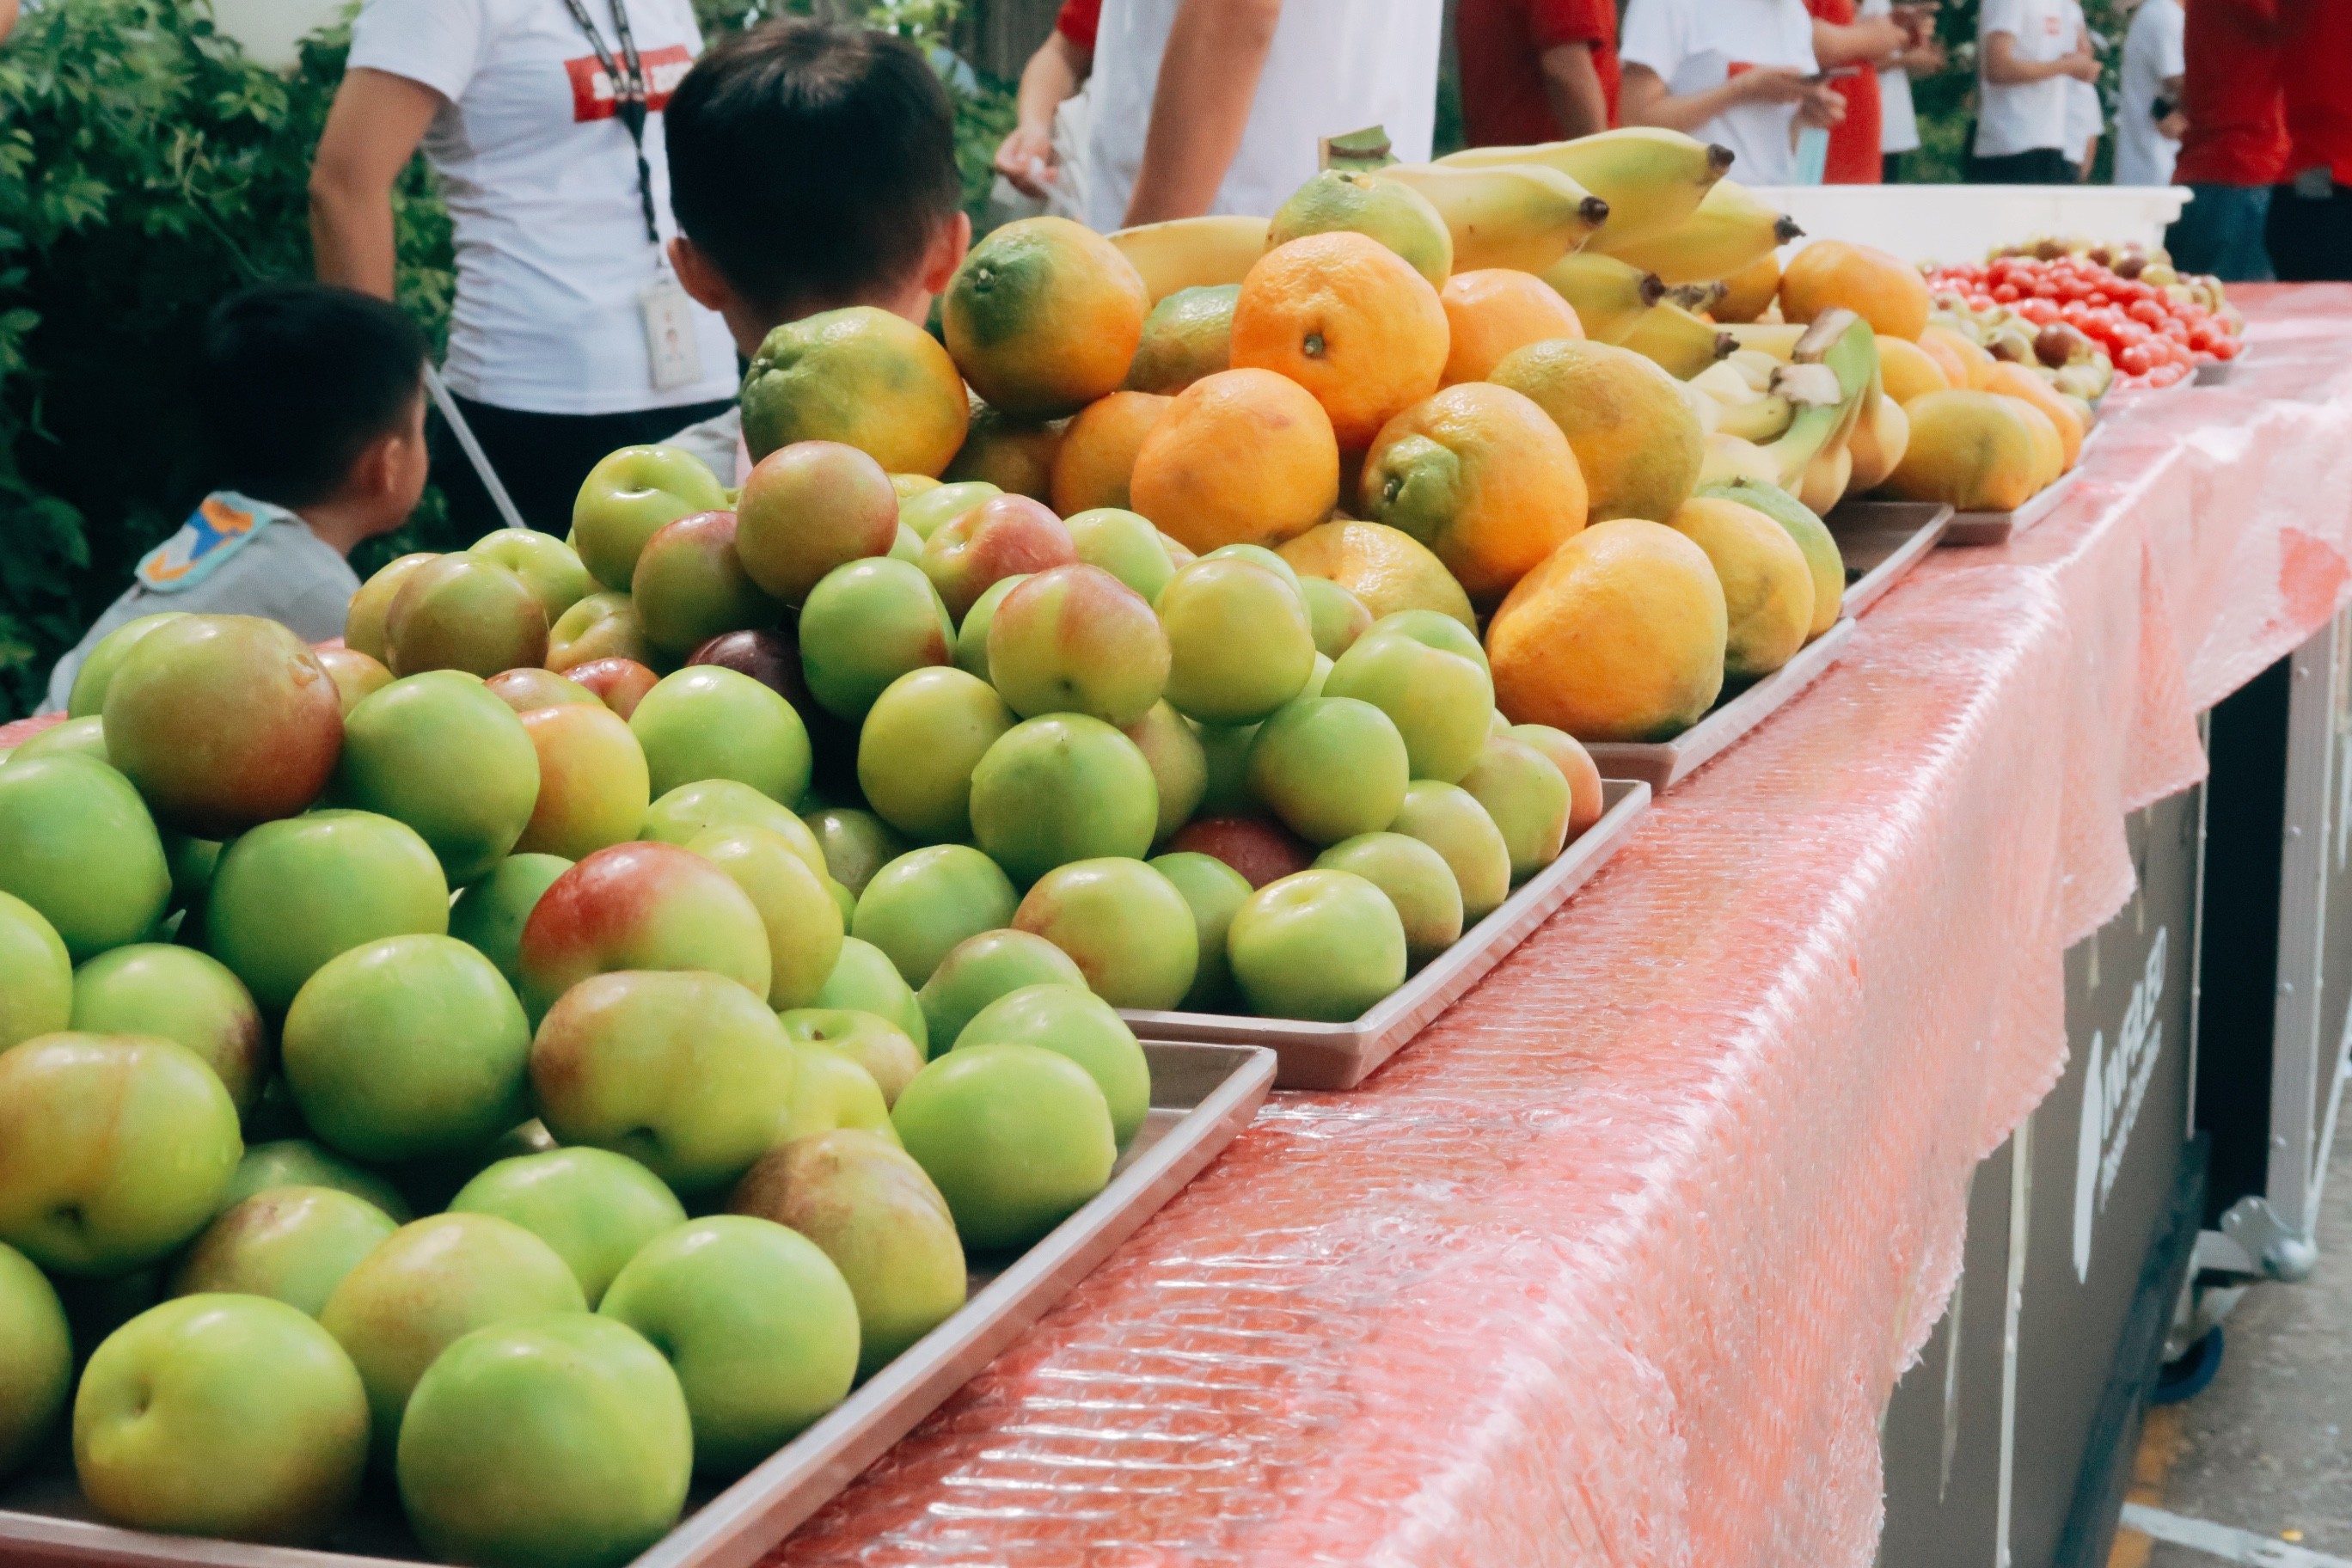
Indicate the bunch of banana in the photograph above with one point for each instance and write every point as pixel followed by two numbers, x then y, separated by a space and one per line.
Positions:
pixel 1192 252
pixel 1729 230
pixel 1744 407
pixel 1608 297
pixel 1679 342
pixel 1521 215
pixel 1652 178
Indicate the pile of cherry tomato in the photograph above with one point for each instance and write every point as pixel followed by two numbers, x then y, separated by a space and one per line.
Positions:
pixel 2153 338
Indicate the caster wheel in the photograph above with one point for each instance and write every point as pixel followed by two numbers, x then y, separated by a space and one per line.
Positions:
pixel 2186 1378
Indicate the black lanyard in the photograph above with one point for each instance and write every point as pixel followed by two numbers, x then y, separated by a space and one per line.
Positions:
pixel 630 95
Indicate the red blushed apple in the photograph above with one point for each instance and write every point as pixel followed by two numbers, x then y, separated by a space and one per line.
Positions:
pixel 616 682
pixel 640 906
pixel 808 508
pixel 1004 536
pixel 1075 640
pixel 1261 851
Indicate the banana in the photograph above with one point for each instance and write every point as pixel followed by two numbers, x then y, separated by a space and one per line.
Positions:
pixel 1512 214
pixel 1776 339
pixel 1834 368
pixel 1187 252
pixel 1754 364
pixel 1725 383
pixel 1607 296
pixel 1678 340
pixel 1704 409
pixel 1652 178
pixel 1696 297
pixel 1731 229
pixel 1731 457
pixel 1766 417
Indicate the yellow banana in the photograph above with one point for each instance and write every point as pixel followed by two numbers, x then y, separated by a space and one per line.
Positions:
pixel 1764 418
pixel 1607 296
pixel 1652 178
pixel 1731 229
pixel 1679 342
pixel 1732 456
pixel 1777 339
pixel 1188 252
pixel 1878 443
pixel 1696 297
pixel 1512 214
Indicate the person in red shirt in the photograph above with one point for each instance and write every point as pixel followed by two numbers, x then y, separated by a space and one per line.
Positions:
pixel 2309 230
pixel 2235 148
pixel 1843 40
pixel 1536 70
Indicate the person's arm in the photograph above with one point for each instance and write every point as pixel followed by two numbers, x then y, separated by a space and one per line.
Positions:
pixel 1208 78
pixel 1572 88
pixel 7 18
pixel 1642 98
pixel 373 130
pixel 2005 66
pixel 1867 40
pixel 2174 125
pixel 1054 74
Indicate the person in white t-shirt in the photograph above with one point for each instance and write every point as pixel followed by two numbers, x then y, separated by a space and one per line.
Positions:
pixel 1738 73
pixel 569 336
pixel 1898 120
pixel 2028 49
pixel 1219 106
pixel 2146 141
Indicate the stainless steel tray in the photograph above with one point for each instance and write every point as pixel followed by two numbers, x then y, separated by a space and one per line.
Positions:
pixel 2001 527
pixel 1341 1055
pixel 2216 372
pixel 1882 540
pixel 1201 1097
pixel 1663 763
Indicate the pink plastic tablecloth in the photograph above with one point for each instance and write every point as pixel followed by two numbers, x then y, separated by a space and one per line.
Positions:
pixel 1618 1263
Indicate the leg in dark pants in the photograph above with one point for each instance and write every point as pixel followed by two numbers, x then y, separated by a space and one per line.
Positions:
pixel 541 458
pixel 2310 237
pixel 2220 232
pixel 1890 168
pixel 2036 166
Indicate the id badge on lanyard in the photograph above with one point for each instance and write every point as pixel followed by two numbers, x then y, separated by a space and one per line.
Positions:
pixel 671 350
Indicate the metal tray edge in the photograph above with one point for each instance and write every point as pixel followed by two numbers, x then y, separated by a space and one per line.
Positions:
pixel 2001 527
pixel 1876 583
pixel 1664 763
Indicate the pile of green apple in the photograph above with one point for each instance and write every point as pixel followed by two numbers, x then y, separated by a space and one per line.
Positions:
pixel 805 842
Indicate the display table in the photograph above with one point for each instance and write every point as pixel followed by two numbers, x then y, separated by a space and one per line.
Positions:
pixel 1618 1263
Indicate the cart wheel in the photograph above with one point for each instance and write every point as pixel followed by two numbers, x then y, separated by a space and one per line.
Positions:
pixel 2186 1378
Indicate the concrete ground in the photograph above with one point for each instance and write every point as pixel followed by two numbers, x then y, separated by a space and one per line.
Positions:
pixel 2264 1449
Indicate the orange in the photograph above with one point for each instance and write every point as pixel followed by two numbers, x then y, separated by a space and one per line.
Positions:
pixel 1637 443
pixel 858 375
pixel 1481 476
pixel 1043 316
pixel 1385 568
pixel 1908 369
pixel 1882 290
pixel 1748 292
pixel 1098 453
pixel 2016 381
pixel 1016 456
pixel 1348 319
pixel 1962 357
pixel 1617 636
pixel 1491 311
pixel 1188 335
pixel 1243 457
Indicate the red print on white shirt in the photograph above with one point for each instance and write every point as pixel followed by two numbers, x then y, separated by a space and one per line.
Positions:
pixel 592 96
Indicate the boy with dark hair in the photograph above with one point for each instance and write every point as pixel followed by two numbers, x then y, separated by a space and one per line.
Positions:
pixel 811 166
pixel 310 413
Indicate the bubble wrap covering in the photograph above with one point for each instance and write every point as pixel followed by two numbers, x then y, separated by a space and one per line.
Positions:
pixel 1617 1264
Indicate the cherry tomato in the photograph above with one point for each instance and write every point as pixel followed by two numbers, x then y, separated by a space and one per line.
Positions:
pixel 2131 361
pixel 2040 312
pixel 2147 311
pixel 2005 293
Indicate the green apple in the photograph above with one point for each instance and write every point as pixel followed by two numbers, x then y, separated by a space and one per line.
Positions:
pixel 871 1209
pixel 75 738
pixel 1338 616
pixel 463 612
pixel 1171 744
pixel 921 904
pixel 406 1049
pixel 1434 627
pixel 290 895
pixel 489 915
pixel 426 1285
pixel 1528 797
pixel 1015 1137
pixel 1062 788
pixel 558 1439
pixel 865 626
pixel 88 698
pixel 1125 926
pixel 1417 880
pixel 356 676
pixel 1439 700
pixel 291 1244
pixel 594 1207
pixel 866 979
pixel 758 1323
pixel 223 1416
pixel 804 924
pixel 686 1072
pixel 872 1041
pixel 35 973
pixel 530 687
pixel 629 497
pixel 972 632
pixel 934 509
pixel 363 623
pixel 549 568
pixel 299 1163
pixel 593 786
pixel 979 969
pixel 599 629
pixel 691 809
pixel 76 844
pixel 856 844
pixel 1075 640
pixel 1450 820
pixel 641 907
pixel 1124 544
pixel 1239 641
pixel 1070 1021
pixel 443 753
pixel 1214 892
pixel 831 1091
pixel 176 994
pixel 113 1150
pixel 1320 944
pixel 709 722
pixel 1330 768
pixel 35 1357
pixel 690 586
pixel 917 748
